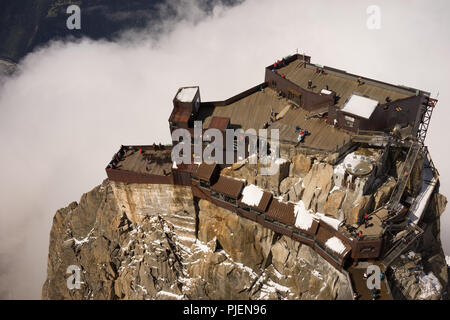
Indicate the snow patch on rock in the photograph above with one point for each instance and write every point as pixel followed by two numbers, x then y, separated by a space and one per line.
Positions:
pixel 430 285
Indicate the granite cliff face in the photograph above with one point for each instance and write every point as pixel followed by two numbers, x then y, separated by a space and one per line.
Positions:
pixel 422 272
pixel 158 256
pixel 138 241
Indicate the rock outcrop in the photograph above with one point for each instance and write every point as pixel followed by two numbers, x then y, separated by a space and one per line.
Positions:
pixel 300 166
pixel 334 202
pixel 318 182
pixel 149 241
pixel 123 255
pixel 422 272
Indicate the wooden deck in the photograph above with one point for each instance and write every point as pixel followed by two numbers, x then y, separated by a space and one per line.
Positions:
pixel 148 162
pixel 343 86
pixel 250 112
pixel 374 227
pixel 360 285
pixel 254 110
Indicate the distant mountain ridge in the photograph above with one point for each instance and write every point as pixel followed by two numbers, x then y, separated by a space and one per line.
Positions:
pixel 27 24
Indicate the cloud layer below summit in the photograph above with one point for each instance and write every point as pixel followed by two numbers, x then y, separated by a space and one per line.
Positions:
pixel 72 104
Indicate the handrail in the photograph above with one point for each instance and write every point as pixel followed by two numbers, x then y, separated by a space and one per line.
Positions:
pixel 371 132
pixel 401 245
pixel 430 160
pixel 237 97
pixel 403 179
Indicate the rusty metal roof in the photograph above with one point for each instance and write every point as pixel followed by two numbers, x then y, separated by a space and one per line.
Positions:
pixel 220 123
pixel 343 83
pixel 326 233
pixel 263 203
pixel 281 211
pixel 312 230
pixel 323 234
pixel 180 115
pixel 188 167
pixel 205 171
pixel 228 186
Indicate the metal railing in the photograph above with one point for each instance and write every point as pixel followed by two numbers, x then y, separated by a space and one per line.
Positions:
pixel 401 245
pixel 426 153
pixel 403 179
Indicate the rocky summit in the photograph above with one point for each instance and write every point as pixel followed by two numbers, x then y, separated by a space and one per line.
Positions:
pixel 350 209
pixel 144 241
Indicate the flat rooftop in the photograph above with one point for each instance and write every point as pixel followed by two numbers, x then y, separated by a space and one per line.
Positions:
pixel 253 111
pixel 149 161
pixel 374 227
pixel 341 82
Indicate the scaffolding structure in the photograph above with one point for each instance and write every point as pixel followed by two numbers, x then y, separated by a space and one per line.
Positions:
pixel 425 122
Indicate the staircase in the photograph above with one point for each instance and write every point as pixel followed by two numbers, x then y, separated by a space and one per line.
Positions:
pixel 400 246
pixel 425 121
pixel 399 188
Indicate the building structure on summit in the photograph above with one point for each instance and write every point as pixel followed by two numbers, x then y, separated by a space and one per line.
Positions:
pixel 354 123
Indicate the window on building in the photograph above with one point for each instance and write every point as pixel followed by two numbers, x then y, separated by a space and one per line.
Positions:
pixel 229 199
pixel 204 184
pixel 349 121
pixel 217 195
pixel 290 95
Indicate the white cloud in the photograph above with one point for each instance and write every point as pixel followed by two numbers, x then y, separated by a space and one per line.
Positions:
pixel 73 104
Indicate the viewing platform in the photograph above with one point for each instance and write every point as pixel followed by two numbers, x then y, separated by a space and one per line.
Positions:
pixel 340 82
pixel 348 121
pixel 253 111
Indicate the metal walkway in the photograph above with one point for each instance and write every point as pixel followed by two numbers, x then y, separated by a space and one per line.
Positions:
pixel 429 162
pixel 429 182
pixel 399 188
pixel 381 140
pixel 414 233
pixel 374 140
pixel 425 121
